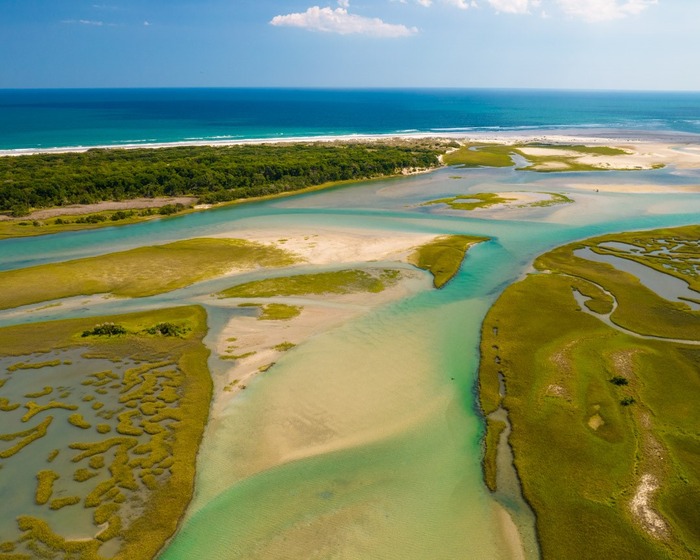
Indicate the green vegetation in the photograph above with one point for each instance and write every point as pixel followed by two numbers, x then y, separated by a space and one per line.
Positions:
pixel 67 222
pixel 443 257
pixel 493 436
pixel 150 461
pixel 338 282
pixel 167 329
pixel 284 346
pixel 25 437
pixel 105 329
pixel 554 200
pixel 213 174
pixel 671 251
pixel 279 312
pixel 138 272
pixel 549 158
pixel 480 155
pixel 35 365
pixel 639 309
pixel 60 503
pixel 471 201
pixel 44 392
pixel 44 487
pixel 557 162
pixel 78 421
pixel 596 412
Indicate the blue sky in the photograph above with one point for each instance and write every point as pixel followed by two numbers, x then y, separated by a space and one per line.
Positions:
pixel 577 44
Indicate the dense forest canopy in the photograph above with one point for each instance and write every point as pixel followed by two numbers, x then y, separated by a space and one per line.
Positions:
pixel 213 174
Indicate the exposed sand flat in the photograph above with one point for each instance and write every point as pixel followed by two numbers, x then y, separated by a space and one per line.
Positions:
pixel 549 152
pixel 511 534
pixel 335 246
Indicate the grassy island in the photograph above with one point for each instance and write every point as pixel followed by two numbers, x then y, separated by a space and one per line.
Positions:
pixel 337 282
pixel 127 482
pixel 474 201
pixel 138 272
pixel 443 257
pixel 604 421
pixel 543 158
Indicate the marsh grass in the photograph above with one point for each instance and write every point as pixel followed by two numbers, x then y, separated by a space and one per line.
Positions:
pixel 480 155
pixel 443 256
pixel 639 309
pixel 499 155
pixel 279 312
pixel 470 202
pixel 64 223
pixel 153 466
pixel 493 436
pixel 558 363
pixel 140 272
pixel 337 282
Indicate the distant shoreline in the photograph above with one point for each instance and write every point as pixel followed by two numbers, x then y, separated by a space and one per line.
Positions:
pixel 555 136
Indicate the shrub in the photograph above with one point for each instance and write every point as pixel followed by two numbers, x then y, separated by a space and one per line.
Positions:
pixel 105 329
pixel 167 329
pixel 617 380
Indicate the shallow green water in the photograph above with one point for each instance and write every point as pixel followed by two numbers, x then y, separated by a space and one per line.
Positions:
pixel 365 442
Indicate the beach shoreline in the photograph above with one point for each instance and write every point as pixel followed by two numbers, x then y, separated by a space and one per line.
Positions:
pixel 554 136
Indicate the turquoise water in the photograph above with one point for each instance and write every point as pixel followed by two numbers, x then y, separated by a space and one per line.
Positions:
pixel 60 118
pixel 364 442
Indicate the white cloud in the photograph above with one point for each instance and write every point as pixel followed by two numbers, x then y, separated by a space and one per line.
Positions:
pixel 514 6
pixel 342 22
pixel 462 4
pixel 604 10
pixel 426 3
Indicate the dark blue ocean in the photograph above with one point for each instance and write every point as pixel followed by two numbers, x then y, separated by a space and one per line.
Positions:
pixel 62 118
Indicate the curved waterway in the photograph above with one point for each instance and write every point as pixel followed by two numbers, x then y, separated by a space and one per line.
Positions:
pixel 365 441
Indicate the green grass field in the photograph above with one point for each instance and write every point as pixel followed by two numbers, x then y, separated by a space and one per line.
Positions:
pixel 594 411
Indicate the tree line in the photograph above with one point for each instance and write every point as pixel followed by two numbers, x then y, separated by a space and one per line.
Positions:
pixel 212 174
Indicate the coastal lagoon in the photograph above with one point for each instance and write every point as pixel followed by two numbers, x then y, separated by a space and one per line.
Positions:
pixel 365 439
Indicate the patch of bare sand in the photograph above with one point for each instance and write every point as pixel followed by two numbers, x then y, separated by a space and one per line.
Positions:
pixel 642 509
pixel 335 246
pixel 510 533
pixel 549 152
pixel 595 422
